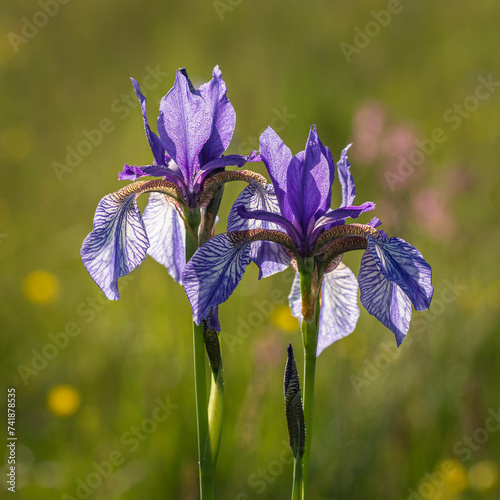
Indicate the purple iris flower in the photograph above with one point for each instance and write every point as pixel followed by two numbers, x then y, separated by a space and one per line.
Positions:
pixel 195 128
pixel 290 221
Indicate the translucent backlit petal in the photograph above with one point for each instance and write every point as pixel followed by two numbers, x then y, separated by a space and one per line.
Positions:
pixel 339 310
pixel 403 264
pixel 118 242
pixel 166 233
pixel 384 298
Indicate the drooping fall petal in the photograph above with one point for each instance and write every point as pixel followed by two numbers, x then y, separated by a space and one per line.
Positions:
pixel 117 244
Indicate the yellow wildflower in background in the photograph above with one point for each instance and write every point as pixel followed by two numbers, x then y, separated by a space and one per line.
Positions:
pixel 63 400
pixel 41 287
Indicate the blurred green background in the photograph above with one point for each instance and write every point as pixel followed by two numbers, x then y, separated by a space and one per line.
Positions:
pixel 415 91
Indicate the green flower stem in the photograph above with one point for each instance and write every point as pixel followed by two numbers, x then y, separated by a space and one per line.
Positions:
pixel 297 491
pixel 206 464
pixel 309 290
pixel 215 410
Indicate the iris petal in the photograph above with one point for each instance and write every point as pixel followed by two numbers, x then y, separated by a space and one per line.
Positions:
pixel 345 178
pixel 117 244
pixel 309 179
pixel 384 298
pixel 222 162
pixel 214 272
pixel 270 257
pixel 154 142
pixel 338 216
pixel 166 233
pixel 184 124
pixel 223 117
pixel 133 172
pixel 403 264
pixel 276 157
pixel 339 311
pixel 212 319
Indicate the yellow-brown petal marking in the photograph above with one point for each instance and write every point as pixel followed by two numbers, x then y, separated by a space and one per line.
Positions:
pixel 141 187
pixel 213 183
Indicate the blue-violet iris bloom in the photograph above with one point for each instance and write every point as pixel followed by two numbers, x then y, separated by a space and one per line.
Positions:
pixel 290 221
pixel 195 128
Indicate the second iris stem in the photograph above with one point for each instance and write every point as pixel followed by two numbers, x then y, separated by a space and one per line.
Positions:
pixel 208 409
pixel 309 290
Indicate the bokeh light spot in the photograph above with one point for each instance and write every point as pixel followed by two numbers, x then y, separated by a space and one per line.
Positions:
pixel 41 287
pixel 455 475
pixel 63 400
pixel 282 318
pixel 483 476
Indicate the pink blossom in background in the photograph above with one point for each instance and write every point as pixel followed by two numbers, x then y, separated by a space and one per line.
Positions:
pixel 432 214
pixel 368 126
pixel 398 140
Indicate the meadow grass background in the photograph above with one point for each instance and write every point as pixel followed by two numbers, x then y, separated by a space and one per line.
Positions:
pixel 388 424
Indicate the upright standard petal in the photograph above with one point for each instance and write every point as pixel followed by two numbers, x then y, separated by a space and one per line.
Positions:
pixel 403 264
pixel 345 178
pixel 384 298
pixel 339 311
pixel 276 157
pixel 270 257
pixel 166 233
pixel 214 272
pixel 154 142
pixel 223 117
pixel 118 242
pixel 309 179
pixel 184 124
